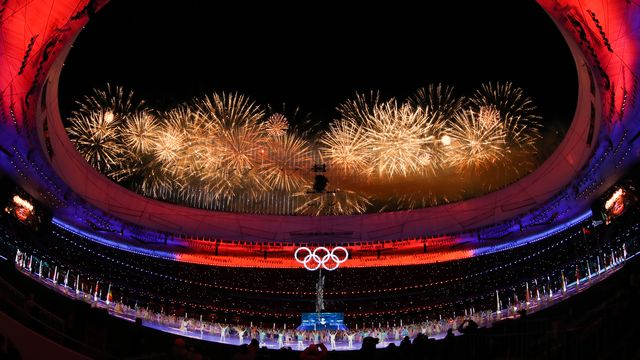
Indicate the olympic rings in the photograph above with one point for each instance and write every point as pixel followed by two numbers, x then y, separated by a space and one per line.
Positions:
pixel 320 256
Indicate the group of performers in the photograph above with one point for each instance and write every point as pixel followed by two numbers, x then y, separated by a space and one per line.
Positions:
pixel 300 339
pixel 291 337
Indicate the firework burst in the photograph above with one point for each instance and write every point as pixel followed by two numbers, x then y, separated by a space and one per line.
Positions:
pixel 488 116
pixel 276 125
pixel 400 139
pixel 438 99
pixel 474 145
pixel 360 110
pixel 516 111
pixel 287 162
pixel 220 153
pixel 96 138
pixel 169 142
pixel 113 99
pixel 230 110
pixel 240 148
pixel 139 132
pixel 187 166
pixel 346 147
pixel 238 133
pixel 298 121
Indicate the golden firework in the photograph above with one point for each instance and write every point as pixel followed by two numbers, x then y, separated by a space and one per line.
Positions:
pixel 346 147
pixel 287 162
pixel 220 153
pixel 139 132
pixel 96 138
pixel 401 139
pixel 474 144
pixel 276 125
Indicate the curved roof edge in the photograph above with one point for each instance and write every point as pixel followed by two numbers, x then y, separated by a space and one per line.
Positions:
pixel 561 186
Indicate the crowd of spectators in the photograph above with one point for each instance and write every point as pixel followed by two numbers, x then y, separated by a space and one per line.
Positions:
pixel 577 329
pixel 382 305
pixel 372 294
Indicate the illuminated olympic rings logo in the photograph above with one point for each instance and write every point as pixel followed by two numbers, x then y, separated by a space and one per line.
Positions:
pixel 321 256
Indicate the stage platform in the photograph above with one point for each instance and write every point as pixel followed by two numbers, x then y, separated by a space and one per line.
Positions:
pixel 331 321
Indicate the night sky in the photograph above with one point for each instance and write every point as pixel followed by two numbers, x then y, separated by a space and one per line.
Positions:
pixel 316 55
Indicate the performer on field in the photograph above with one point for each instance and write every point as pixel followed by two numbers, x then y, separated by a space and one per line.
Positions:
pixel 280 339
pixel 223 332
pixel 332 335
pixel 241 332
pixel 350 337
